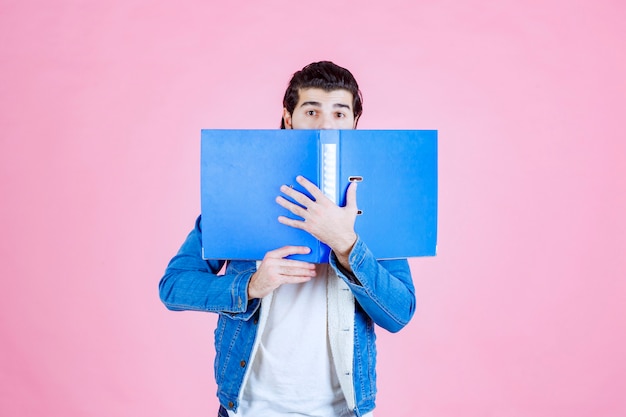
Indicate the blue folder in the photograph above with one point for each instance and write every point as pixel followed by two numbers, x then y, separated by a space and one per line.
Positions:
pixel 242 171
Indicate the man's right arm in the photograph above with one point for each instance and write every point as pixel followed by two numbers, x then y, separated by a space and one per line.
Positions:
pixel 192 283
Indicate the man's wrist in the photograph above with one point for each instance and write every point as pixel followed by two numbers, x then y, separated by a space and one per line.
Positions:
pixel 344 247
pixel 342 251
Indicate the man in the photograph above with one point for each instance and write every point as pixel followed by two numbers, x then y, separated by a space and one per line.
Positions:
pixel 295 338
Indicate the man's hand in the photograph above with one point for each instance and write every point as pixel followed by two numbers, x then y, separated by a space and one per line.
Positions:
pixel 322 218
pixel 275 271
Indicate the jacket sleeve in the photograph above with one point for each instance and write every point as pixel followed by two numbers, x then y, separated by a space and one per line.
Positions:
pixel 384 289
pixel 192 283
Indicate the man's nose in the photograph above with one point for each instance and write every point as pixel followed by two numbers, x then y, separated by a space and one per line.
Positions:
pixel 326 122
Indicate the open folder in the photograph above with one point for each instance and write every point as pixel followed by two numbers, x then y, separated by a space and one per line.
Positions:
pixel 242 171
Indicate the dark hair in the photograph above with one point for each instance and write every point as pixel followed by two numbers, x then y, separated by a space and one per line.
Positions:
pixel 327 76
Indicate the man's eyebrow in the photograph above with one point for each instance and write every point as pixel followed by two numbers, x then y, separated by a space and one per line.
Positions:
pixel 318 104
pixel 311 103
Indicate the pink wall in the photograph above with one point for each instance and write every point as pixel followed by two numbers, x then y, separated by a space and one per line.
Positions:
pixel 523 313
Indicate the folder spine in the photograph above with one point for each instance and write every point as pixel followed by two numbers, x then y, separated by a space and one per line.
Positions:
pixel 329 156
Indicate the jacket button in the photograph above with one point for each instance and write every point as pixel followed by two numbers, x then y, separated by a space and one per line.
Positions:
pixel 242 363
pixel 230 405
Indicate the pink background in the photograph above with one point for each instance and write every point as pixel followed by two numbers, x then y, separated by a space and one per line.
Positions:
pixel 522 313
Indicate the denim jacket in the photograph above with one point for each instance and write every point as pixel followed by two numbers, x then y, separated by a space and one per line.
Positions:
pixel 383 294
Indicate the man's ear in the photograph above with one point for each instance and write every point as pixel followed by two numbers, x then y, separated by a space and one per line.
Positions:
pixel 287 119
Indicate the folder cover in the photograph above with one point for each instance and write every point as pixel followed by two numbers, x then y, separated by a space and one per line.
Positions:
pixel 242 171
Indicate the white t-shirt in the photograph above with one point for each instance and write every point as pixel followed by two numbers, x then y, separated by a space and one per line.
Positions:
pixel 292 372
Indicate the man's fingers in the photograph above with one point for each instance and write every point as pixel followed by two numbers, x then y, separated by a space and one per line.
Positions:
pixel 287 279
pixel 275 271
pixel 351 195
pixel 291 271
pixel 287 251
pixel 296 195
pixel 294 208
pixel 310 187
pixel 291 222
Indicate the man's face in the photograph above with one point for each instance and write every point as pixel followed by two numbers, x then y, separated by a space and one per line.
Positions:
pixel 319 109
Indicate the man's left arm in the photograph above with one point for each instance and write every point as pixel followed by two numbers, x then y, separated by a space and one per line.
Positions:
pixel 384 289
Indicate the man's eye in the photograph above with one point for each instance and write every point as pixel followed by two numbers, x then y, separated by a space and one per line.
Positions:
pixel 341 115
pixel 310 112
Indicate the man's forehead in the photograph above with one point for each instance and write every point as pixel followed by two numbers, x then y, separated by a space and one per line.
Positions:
pixel 319 96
